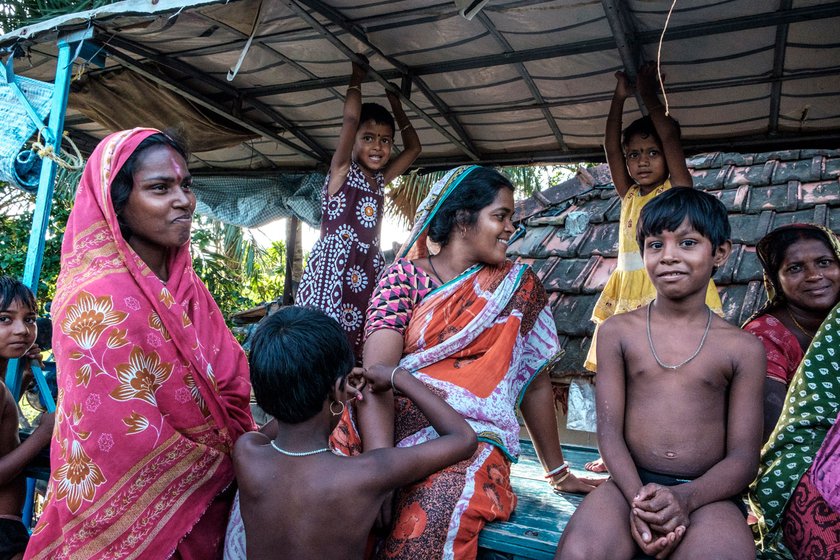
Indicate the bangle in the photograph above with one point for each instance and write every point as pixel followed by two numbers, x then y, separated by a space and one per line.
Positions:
pixel 406 127
pixel 357 88
pixel 554 472
pixel 562 478
pixel 393 372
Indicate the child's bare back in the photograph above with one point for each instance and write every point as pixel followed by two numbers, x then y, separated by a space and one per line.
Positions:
pixel 295 502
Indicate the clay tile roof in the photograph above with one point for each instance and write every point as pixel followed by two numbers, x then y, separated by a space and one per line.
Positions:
pixel 571 236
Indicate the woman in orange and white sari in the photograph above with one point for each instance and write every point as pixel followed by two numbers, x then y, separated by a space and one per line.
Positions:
pixel 153 388
pixel 476 329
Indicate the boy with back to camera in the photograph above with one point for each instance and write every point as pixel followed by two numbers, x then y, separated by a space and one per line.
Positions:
pixel 679 398
pixel 298 499
pixel 17 339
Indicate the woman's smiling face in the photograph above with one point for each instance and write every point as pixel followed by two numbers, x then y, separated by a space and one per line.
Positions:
pixel 809 276
pixel 488 237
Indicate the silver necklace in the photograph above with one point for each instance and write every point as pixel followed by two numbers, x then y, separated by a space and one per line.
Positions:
pixel 682 363
pixel 297 453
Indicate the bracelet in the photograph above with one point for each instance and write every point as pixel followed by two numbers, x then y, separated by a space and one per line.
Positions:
pixel 357 88
pixel 393 372
pixel 406 127
pixel 554 472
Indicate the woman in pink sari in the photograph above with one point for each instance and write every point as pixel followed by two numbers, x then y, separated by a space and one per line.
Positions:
pixel 153 388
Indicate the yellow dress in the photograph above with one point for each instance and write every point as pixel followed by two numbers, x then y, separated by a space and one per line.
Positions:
pixel 629 287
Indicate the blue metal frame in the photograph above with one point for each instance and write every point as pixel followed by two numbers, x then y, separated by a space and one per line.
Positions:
pixel 70 46
pixel 43 200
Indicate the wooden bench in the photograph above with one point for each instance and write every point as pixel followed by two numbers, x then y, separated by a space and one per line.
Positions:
pixel 541 514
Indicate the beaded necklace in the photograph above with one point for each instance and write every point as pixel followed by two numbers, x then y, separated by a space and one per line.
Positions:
pixel 297 453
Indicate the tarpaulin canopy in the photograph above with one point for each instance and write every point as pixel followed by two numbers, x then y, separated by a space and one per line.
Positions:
pixel 522 81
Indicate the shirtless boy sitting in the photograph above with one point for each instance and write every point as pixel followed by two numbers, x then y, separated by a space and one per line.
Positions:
pixel 679 398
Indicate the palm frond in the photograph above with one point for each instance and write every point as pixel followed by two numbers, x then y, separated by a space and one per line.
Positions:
pixel 404 198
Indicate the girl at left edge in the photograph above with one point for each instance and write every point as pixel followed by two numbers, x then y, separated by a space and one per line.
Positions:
pixel 153 389
pixel 345 262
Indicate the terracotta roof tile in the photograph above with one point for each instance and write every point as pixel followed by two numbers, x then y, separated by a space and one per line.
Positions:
pixel 754 175
pixel 599 273
pixel 572 314
pixel 564 275
pixel 774 197
pixel 831 168
pixel 600 239
pixel 823 192
pixel 807 170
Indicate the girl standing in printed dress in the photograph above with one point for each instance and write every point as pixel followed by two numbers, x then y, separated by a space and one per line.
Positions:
pixel 645 160
pixel 345 262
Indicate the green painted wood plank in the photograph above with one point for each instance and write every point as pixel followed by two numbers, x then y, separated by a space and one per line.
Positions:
pixel 541 514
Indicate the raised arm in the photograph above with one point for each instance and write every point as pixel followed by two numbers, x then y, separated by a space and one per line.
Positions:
pixel 456 442
pixel 383 349
pixel 410 140
pixel 665 126
pixel 340 164
pixel 612 136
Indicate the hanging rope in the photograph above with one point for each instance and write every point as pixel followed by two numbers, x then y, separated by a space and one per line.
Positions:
pixel 70 162
pixel 659 57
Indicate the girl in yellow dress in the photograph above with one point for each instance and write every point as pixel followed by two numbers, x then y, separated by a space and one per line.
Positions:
pixel 645 161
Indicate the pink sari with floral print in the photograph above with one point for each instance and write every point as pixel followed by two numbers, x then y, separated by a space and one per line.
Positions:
pixel 153 393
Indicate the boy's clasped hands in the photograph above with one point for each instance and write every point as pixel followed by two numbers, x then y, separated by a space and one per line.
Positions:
pixel 659 518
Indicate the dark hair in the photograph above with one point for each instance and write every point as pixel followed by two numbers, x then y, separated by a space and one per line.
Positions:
pixel 378 114
pixel 772 247
pixel 296 356
pixel 12 289
pixel 477 190
pixel 666 212
pixel 123 181
pixel 644 127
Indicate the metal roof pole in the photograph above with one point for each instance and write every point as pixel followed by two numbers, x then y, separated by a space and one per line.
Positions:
pixel 778 70
pixel 67 44
pixel 348 52
pixel 624 34
pixel 485 20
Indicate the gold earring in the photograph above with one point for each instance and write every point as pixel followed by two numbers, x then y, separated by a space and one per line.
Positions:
pixel 340 410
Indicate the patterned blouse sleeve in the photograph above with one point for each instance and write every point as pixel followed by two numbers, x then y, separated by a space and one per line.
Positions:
pixel 783 352
pixel 393 301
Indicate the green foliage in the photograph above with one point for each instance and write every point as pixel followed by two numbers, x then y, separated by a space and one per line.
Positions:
pixel 16 210
pixel 237 272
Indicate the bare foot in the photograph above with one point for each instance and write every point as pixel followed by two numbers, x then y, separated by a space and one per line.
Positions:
pixel 596 466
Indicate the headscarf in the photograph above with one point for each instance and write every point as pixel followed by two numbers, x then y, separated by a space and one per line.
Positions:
pixel 417 245
pixel 767 250
pixel 153 389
